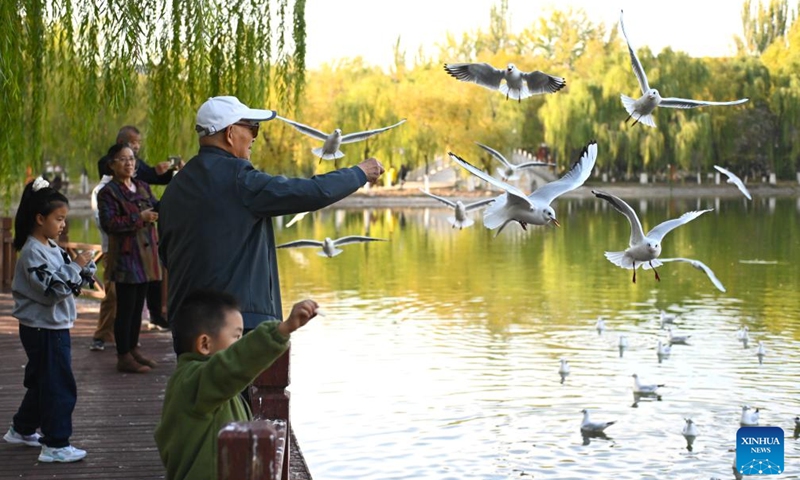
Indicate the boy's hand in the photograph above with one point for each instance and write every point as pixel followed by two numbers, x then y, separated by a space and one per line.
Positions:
pixel 302 312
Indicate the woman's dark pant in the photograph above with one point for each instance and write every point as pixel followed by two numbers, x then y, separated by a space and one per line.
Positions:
pixel 51 391
pixel 130 301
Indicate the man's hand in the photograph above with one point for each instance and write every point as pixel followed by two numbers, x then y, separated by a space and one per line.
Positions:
pixel 162 167
pixel 302 312
pixel 372 168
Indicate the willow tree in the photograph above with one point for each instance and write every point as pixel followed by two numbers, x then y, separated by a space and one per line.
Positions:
pixel 73 71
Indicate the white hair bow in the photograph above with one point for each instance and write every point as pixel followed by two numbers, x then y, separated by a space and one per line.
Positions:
pixel 40 183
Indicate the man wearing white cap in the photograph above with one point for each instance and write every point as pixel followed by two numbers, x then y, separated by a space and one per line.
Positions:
pixel 215 217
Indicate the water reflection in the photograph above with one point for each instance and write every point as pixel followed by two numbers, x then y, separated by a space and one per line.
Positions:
pixel 438 352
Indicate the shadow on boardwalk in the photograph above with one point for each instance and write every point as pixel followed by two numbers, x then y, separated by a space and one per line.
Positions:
pixel 116 413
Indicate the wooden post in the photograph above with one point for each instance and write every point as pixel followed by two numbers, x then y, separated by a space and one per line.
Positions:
pixel 269 398
pixel 8 256
pixel 252 451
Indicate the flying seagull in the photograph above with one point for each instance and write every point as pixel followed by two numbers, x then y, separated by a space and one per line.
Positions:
pixel 518 84
pixel 330 149
pixel 329 246
pixel 515 206
pixel 643 249
pixel 698 265
pixel 509 170
pixel 460 220
pixel 732 178
pixel 641 109
pixel 588 426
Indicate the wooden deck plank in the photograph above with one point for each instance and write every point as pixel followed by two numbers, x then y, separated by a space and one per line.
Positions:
pixel 116 413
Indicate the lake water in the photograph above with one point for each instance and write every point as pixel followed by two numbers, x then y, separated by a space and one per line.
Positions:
pixel 439 351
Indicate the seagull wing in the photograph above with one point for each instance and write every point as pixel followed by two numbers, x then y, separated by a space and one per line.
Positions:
pixel 662 229
pixel 700 266
pixel 637 235
pixel 301 243
pixel 483 74
pixel 671 102
pixel 479 204
pixel 540 82
pixel 355 239
pixel 496 155
pixel 441 199
pixel 534 164
pixel 311 132
pixel 735 180
pixel 637 65
pixel 296 219
pixel 358 136
pixel 511 190
pixel 573 179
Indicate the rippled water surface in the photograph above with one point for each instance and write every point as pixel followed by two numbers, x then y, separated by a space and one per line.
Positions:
pixel 438 356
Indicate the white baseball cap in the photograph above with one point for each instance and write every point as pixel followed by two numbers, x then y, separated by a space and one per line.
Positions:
pixel 217 113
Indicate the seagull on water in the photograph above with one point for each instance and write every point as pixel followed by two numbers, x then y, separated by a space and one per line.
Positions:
pixel 732 178
pixel 700 266
pixel 677 339
pixel 330 149
pixel 639 387
pixel 667 318
pixel 518 84
pixel 749 418
pixel 329 246
pixel 643 249
pixel 600 325
pixel 663 351
pixel 460 219
pixel 509 170
pixel 515 206
pixel 587 426
pixel 563 370
pixel 689 433
pixel 743 335
pixel 623 344
pixel 641 109
pixel 761 352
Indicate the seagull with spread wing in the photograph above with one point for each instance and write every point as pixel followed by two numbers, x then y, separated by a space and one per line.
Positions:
pixel 642 108
pixel 518 84
pixel 330 149
pixel 700 266
pixel 509 170
pixel 515 206
pixel 460 219
pixel 643 249
pixel 732 178
pixel 329 246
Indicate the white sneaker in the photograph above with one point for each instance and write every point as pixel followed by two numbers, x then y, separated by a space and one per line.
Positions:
pixel 32 440
pixel 63 454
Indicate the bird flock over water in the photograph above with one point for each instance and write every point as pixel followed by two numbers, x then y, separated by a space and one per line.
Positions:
pixel 516 206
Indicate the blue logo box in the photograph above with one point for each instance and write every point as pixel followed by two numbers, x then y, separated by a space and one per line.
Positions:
pixel 759 450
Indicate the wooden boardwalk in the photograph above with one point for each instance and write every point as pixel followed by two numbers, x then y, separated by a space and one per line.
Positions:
pixel 116 413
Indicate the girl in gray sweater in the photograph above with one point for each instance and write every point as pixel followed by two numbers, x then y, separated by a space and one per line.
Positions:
pixel 44 285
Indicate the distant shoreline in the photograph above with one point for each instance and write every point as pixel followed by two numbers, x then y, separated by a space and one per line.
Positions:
pixel 410 196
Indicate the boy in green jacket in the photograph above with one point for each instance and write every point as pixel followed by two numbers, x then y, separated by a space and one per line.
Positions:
pixel 214 366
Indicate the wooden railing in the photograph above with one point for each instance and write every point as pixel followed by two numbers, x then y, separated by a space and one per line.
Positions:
pixel 240 455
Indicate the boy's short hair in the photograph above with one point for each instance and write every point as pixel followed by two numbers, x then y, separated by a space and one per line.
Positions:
pixel 202 311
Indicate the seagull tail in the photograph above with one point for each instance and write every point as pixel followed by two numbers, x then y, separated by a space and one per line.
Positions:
pixel 493 216
pixel 513 93
pixel 318 152
pixel 656 263
pixel 628 103
pixel 456 224
pixel 619 259
pixel 336 251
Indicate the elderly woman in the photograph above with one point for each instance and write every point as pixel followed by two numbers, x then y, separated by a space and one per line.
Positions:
pixel 127 215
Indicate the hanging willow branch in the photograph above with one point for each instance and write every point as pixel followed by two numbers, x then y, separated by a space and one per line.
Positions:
pixel 73 71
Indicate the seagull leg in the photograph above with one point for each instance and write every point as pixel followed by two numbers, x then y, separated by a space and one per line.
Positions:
pixel 656 271
pixel 524 226
pixel 637 121
pixel 634 272
pixel 629 117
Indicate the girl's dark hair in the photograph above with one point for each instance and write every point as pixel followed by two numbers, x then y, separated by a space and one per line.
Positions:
pixel 202 311
pixel 41 202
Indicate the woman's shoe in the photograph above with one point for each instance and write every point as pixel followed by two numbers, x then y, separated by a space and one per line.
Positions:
pixel 126 363
pixel 142 359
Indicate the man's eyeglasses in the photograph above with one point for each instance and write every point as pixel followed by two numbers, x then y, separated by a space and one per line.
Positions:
pixel 253 126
